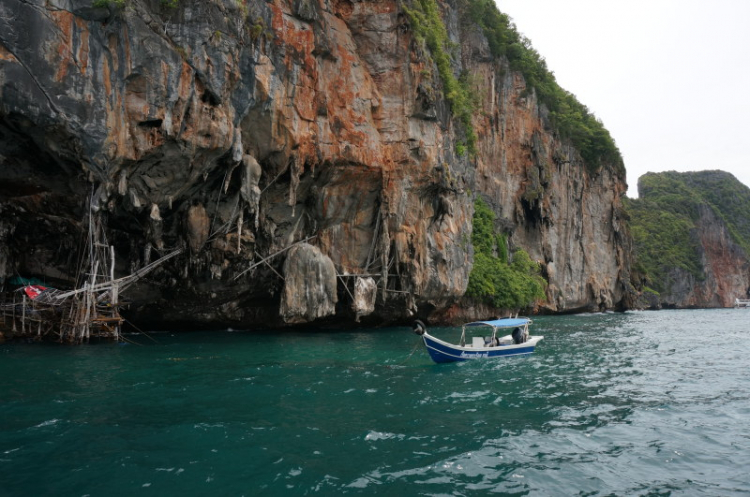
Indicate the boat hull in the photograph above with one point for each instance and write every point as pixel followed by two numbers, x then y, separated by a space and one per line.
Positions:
pixel 441 351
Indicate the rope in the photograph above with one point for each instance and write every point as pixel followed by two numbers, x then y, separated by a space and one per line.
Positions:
pixel 140 330
pixel 416 346
pixel 129 341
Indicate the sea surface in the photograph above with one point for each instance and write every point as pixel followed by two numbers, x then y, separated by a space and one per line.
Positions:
pixel 641 403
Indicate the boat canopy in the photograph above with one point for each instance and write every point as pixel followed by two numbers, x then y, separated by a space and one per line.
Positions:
pixel 502 323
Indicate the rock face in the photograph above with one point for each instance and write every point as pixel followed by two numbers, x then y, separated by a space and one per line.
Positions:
pixel 309 285
pixel 726 266
pixel 238 128
pixel 713 207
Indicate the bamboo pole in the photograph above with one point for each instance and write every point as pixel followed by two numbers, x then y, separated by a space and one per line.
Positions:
pixel 80 312
pixel 72 320
pixel 89 299
pixel 93 273
pixel 273 255
pixel 77 324
pixel 112 259
pixel 372 245
pixel 125 280
pixel 114 299
pixel 274 270
pixel 345 286
pixel 14 313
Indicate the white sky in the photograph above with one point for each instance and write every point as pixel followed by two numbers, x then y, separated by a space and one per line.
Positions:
pixel 669 79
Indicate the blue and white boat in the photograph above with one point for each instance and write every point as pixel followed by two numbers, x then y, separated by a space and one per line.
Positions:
pixel 484 341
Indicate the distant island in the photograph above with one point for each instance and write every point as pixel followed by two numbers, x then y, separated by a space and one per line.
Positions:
pixel 691 235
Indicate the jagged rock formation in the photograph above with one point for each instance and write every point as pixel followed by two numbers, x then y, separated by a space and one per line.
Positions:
pixel 237 128
pixel 309 285
pixel 692 238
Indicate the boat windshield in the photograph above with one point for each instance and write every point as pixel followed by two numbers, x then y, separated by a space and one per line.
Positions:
pixel 494 325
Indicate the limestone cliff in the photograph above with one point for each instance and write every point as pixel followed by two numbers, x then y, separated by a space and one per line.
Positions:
pixel 692 238
pixel 240 128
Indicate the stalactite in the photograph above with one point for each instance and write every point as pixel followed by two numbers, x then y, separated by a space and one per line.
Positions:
pixel 147 254
pixel 296 172
pixel 385 252
pixel 228 177
pixel 122 184
pixel 239 231
pixel 134 198
pixel 250 192
pixel 156 226
pixel 197 227
pixel 237 146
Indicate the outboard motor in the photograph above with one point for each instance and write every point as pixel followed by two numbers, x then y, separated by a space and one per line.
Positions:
pixel 518 336
pixel 419 327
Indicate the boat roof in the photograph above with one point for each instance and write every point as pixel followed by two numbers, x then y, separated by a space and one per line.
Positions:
pixel 502 323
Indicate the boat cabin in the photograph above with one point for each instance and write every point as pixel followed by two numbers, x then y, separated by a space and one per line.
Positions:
pixel 488 333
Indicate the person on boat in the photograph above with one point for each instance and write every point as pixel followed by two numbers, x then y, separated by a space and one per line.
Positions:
pixel 519 336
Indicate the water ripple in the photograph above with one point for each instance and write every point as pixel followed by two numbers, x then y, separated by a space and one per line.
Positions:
pixel 609 404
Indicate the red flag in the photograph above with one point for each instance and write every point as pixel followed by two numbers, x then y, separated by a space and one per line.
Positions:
pixel 33 291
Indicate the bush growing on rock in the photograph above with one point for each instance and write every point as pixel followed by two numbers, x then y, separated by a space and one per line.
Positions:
pixel 494 279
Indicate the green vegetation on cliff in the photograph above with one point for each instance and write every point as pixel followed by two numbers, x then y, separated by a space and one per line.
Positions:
pixel 663 220
pixel 663 239
pixel 572 119
pixel 430 30
pixel 494 279
pixel 109 3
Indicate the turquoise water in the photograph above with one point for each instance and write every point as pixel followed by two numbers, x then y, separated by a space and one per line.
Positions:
pixel 651 403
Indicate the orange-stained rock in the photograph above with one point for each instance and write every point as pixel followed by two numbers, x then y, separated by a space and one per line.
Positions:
pixel 251 126
pixel 197 226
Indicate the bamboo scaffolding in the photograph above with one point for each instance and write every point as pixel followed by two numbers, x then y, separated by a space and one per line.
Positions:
pixel 125 281
pixel 253 266
pixel 90 310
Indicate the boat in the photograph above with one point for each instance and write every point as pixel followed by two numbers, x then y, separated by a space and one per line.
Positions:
pixel 484 346
pixel 741 304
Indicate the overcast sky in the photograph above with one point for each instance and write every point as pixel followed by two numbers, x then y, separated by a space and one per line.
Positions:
pixel 669 79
